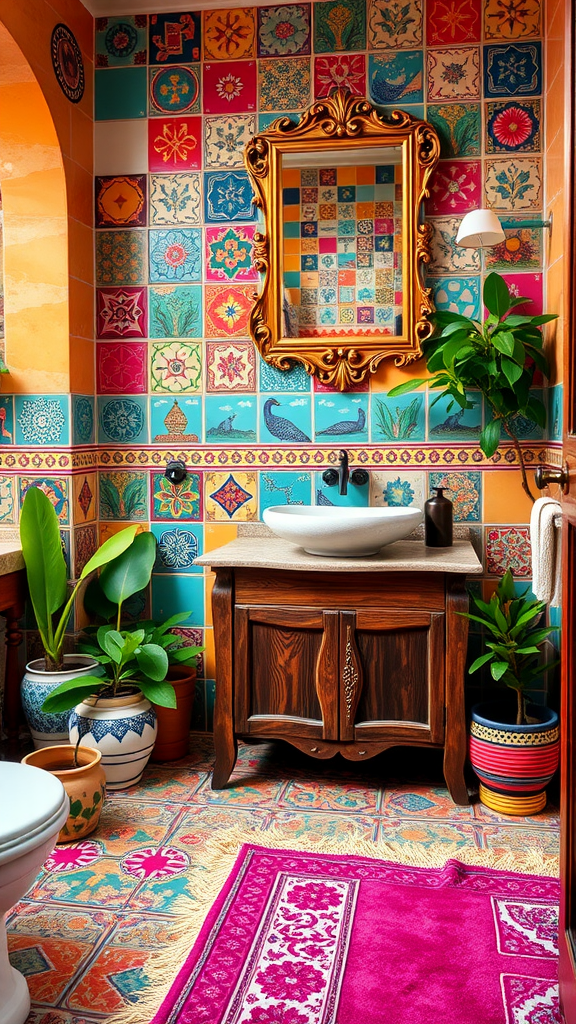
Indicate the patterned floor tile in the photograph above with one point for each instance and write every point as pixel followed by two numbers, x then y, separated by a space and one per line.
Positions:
pixel 126 825
pixel 162 784
pixel 321 796
pixel 251 792
pixel 419 801
pixel 112 981
pixel 427 834
pixel 512 839
pixel 319 825
pixel 48 964
pixel 101 884
pixel 199 824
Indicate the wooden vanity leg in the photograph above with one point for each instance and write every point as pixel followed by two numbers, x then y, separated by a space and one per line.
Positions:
pixel 13 639
pixel 455 740
pixel 224 740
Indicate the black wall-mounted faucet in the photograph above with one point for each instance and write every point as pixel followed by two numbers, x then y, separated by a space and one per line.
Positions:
pixel 342 475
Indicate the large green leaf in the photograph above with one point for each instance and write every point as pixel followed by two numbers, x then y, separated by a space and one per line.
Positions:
pixel 153 661
pixel 407 386
pixel 161 693
pixel 130 571
pixel 42 552
pixel 69 693
pixel 498 669
pixel 490 437
pixel 110 549
pixel 496 295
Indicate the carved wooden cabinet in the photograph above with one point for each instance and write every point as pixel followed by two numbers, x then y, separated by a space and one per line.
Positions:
pixel 341 661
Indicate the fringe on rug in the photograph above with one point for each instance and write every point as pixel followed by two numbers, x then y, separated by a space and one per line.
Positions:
pixel 220 854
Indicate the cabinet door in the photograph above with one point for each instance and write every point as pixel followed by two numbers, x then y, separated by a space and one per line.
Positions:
pixel 392 675
pixel 286 680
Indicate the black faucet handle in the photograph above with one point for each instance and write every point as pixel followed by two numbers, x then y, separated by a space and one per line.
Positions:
pixel 359 477
pixel 330 477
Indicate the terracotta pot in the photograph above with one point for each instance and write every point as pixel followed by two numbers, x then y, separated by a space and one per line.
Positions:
pixel 174 723
pixel 85 785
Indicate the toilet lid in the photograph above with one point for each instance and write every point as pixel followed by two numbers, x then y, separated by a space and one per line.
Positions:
pixel 30 798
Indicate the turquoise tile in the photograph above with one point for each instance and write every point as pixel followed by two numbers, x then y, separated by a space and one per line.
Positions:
pixel 341 417
pixel 448 422
pixel 526 429
pixel 265 120
pixel 279 488
pixel 177 502
pixel 82 419
pixel 555 412
pixel 285 420
pixel 42 420
pixel 398 419
pixel 167 415
pixel 395 77
pixel 178 545
pixel 175 593
pixel 57 489
pixel 123 420
pixel 272 379
pixel 6 419
pixel 415 109
pixel 175 311
pixel 121 41
pixel 120 93
pixel 230 419
pixel 457 294
pixel 356 497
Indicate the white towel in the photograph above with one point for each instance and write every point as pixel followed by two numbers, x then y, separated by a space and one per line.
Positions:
pixel 545 540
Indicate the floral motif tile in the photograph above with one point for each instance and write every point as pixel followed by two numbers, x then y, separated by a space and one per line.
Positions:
pixel 455 188
pixel 447 256
pixel 513 126
pixel 123 496
pixel 175 255
pixel 176 421
pixel 120 41
pixel 177 501
pixel 453 74
pixel 514 184
pixel 457 294
pixel 284 84
pixel 176 311
pixel 529 286
pixel 121 201
pixel 339 25
pixel 227 196
pixel 174 38
pixel 229 88
pixel 174 90
pixel 231 419
pixel 225 139
pixel 42 420
pixel 396 76
pixel 508 547
pixel 175 199
pixel 513 70
pixel 178 546
pixel 229 254
pixel 452 22
pixel 458 127
pixel 464 490
pixel 284 31
pixel 231 496
pixel 394 25
pixel 227 311
pixel 284 489
pixel 56 489
pixel 120 257
pixel 121 312
pixel 230 34
pixel 85 545
pixel 84 497
pixel 272 379
pixel 8 504
pixel 522 249
pixel 175 144
pixel 121 368
pixel 340 71
pixel 6 416
pixel 512 19
pixel 123 420
pixel 397 489
pixel 175 366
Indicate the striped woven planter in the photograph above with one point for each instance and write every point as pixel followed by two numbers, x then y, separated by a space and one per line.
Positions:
pixel 514 762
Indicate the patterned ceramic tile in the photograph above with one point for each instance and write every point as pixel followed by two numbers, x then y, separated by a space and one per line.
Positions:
pixel 48 964
pixel 508 547
pixel 511 19
pixel 287 419
pixel 174 90
pixel 175 366
pixel 121 201
pixel 121 312
pixel 175 199
pixel 514 184
pixel 422 802
pixel 340 71
pixel 85 545
pixel 451 22
pixel 178 546
pixel 458 294
pixel 284 31
pixel 84 497
pixel 339 25
pixel 522 249
pixel 120 94
pixel 284 84
pixel 175 255
pixel 447 257
pixel 340 417
pixel 231 496
pixel 227 311
pixel 122 420
pixel 56 489
pixel 398 419
pixel 396 76
pixel 454 423
pixel 175 144
pixel 174 38
pixel 455 188
pixel 182 502
pixel 121 41
pixel 229 254
pixel 397 489
pixel 454 74
pixel 529 286
pixel 513 126
pixel 123 495
pixel 121 368
pixel 272 379
pixel 555 410
pixel 176 311
pixel 230 419
pixel 225 138
pixel 6 418
pixel 120 257
pixel 8 501
pixel 458 127
pixel 464 490
pixel 230 34
pixel 284 489
pixel 41 420
pixel 227 197
pixel 513 70
pixel 394 26
pixel 229 88
pixel 176 421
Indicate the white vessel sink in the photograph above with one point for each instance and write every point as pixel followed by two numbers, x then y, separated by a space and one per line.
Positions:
pixel 341 532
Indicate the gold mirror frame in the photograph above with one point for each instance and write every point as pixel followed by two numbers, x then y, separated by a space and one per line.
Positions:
pixel 351 122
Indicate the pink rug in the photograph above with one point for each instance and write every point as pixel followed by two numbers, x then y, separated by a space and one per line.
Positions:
pixel 298 938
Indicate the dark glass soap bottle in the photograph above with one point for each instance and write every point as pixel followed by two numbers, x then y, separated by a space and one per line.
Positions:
pixel 438 520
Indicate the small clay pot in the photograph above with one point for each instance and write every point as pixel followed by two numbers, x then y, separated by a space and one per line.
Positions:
pixel 174 723
pixel 85 785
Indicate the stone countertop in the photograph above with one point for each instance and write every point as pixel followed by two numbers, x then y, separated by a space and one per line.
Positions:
pixel 11 559
pixel 265 551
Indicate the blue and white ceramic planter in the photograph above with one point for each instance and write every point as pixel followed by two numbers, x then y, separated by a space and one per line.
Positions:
pixel 123 729
pixel 38 684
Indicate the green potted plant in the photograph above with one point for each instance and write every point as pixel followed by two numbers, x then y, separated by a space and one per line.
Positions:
pixel 53 602
pixel 514 752
pixel 498 357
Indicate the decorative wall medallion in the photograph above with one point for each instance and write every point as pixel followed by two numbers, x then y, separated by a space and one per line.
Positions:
pixel 83 419
pixel 284 84
pixel 123 420
pixel 121 368
pixel 121 312
pixel 176 367
pixel 175 90
pixel 177 501
pixel 227 311
pixel 513 70
pixel 513 126
pixel 230 367
pixel 175 199
pixel 230 496
pixel 121 41
pixel 121 201
pixel 175 144
pixel 57 490
pixel 229 34
pixel 340 71
pixel 229 88
pixel 175 255
pixel 174 38
pixel 42 421
pixel 123 496
pixel 176 311
pixel 67 63
pixel 229 254
pixel 395 25
pixel 225 138
pixel 454 74
pixel 284 31
pixel 120 257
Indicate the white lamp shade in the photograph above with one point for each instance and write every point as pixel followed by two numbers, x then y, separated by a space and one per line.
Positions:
pixel 480 229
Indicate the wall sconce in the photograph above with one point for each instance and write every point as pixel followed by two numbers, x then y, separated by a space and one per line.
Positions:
pixel 481 229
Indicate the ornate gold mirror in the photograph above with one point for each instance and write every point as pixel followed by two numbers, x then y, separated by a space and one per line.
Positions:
pixel 343 245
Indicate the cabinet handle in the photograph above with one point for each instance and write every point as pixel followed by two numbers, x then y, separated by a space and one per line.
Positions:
pixel 361 751
pixel 349 676
pixel 313 750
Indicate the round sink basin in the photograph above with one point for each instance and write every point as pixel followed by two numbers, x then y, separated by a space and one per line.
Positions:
pixel 341 532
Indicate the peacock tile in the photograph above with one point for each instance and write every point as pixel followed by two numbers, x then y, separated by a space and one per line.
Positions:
pixel 229 88
pixel 120 257
pixel 121 312
pixel 281 488
pixel 175 311
pixel 174 90
pixel 464 489
pixel 182 502
pixel 120 94
pixel 230 419
pixel 123 495
pixel 339 25
pixel 82 419
pixel 454 423
pixel 457 294
pixel 178 546
pixel 175 366
pixel 225 139
pixel 6 418
pixel 121 41
pixel 514 184
pixel 340 417
pixel 174 38
pixel 84 502
pixel 396 490
pixel 458 126
pixel 453 74
pixel 508 547
pixel 284 31
pixel 513 70
pixel 230 366
pixel 172 593
pixel 123 420
pixel 228 197
pixel 121 368
pixel 42 420
pixel 121 201
pixel 230 34
pixel 522 249
pixel 175 254
pixel 396 76
pixel 57 489
pixel 398 419
pixel 515 19
pixel 176 421
pixel 175 144
pixel 513 126
pixel 229 253
pixel 394 26
pixel 455 187
pixel 175 199
pixel 231 496
pixel 453 23
pixel 447 256
pixel 287 419
pixel 340 71
pixel 284 84
pixel 273 379
pixel 227 310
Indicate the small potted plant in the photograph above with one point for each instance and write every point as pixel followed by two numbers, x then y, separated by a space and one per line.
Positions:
pixel 81 773
pixel 514 752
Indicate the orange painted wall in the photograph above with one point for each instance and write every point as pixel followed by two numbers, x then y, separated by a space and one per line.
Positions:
pixel 555 169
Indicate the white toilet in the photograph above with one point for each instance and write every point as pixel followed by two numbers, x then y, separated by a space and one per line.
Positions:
pixel 33 808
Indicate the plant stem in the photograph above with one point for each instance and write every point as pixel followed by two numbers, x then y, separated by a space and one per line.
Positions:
pixel 516 443
pixel 520 712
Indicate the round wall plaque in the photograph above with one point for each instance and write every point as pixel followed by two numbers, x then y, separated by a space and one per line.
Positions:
pixel 67 63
